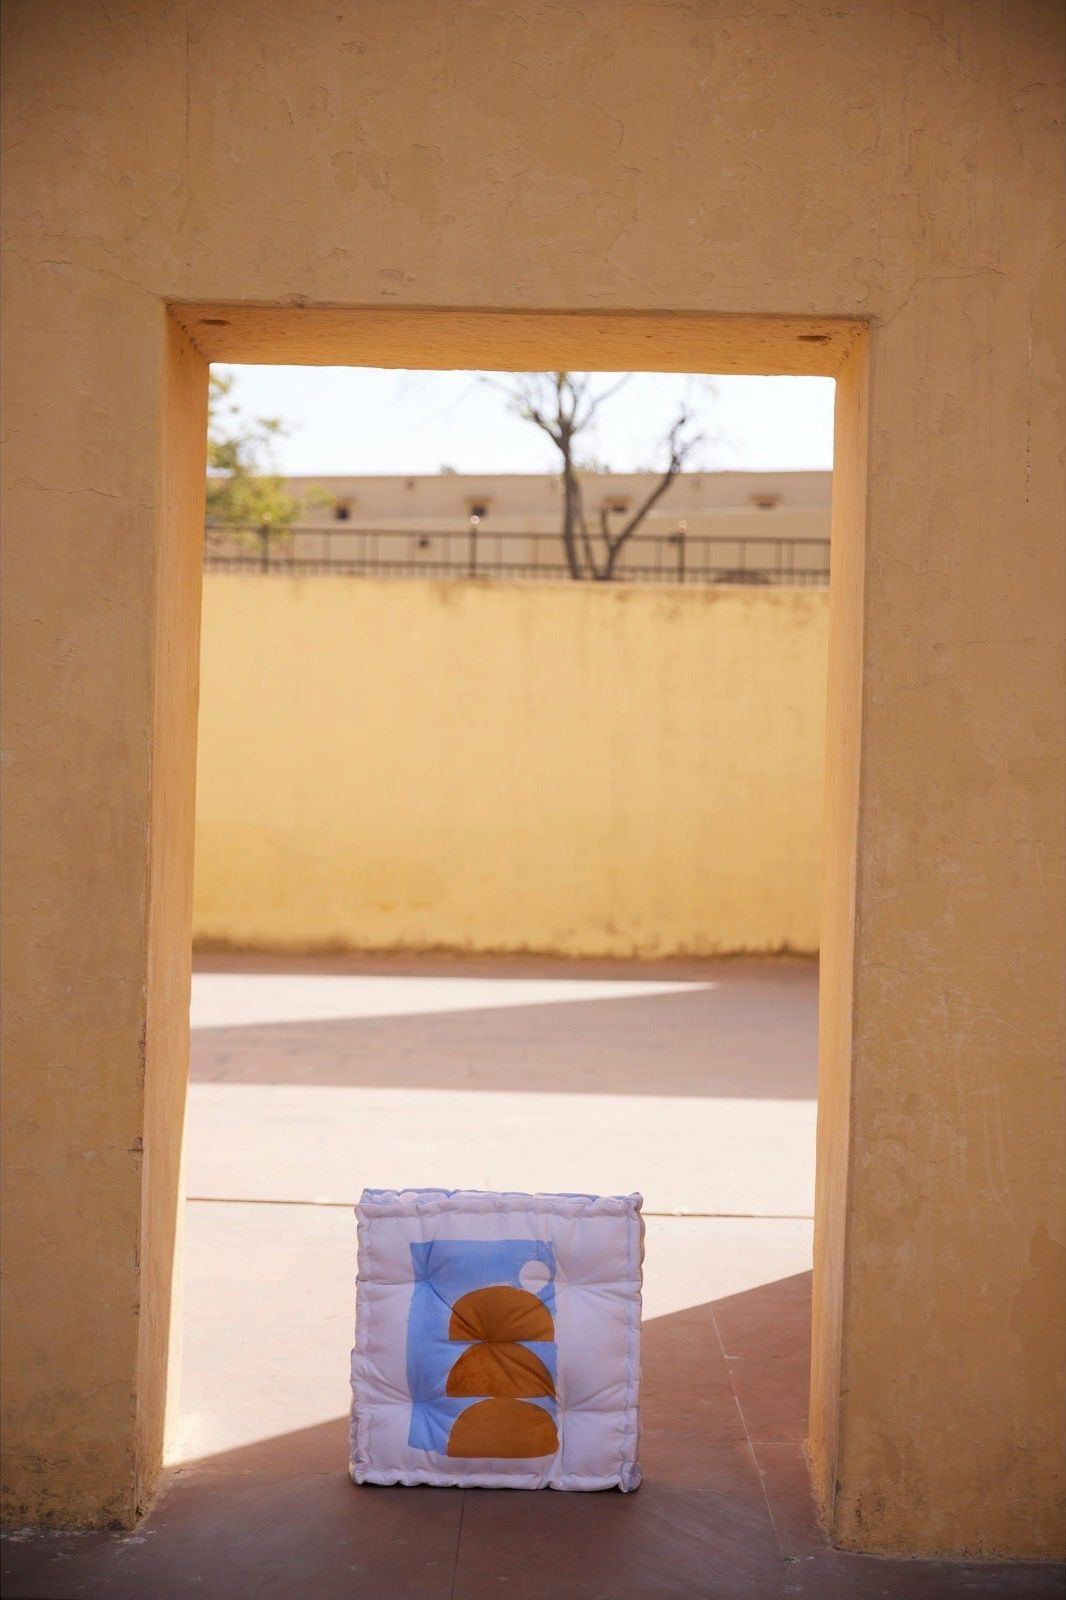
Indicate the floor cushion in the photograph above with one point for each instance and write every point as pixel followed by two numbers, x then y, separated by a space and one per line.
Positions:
pixel 497 1339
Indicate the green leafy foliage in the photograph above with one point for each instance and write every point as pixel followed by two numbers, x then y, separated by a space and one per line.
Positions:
pixel 243 492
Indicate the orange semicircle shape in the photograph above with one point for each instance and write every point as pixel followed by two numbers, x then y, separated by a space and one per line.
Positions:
pixel 505 1371
pixel 501 1314
pixel 504 1429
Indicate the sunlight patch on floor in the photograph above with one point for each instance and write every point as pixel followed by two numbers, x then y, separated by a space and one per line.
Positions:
pixel 270 1304
pixel 684 1153
pixel 243 999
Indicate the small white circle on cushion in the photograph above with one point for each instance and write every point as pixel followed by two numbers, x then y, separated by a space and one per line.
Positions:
pixel 534 1276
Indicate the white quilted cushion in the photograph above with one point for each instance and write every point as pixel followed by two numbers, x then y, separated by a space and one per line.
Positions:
pixel 497 1339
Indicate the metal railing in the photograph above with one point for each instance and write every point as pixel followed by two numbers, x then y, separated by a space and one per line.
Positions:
pixel 478 552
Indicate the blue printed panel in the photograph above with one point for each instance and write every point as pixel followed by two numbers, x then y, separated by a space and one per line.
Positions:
pixel 446 1270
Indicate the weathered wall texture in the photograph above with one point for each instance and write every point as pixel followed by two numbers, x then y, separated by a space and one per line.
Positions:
pixel 899 166
pixel 569 768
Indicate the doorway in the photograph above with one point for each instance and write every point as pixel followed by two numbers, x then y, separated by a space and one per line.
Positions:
pixel 724 344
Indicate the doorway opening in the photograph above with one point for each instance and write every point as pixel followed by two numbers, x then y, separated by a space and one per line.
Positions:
pixel 405 1044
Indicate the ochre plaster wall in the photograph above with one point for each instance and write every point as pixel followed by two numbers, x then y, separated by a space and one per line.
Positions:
pixel 671 181
pixel 98 818
pixel 564 768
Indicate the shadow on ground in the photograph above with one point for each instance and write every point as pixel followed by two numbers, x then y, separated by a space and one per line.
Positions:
pixel 725 1511
pixel 745 1029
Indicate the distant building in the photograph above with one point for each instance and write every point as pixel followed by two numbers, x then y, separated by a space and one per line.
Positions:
pixel 708 526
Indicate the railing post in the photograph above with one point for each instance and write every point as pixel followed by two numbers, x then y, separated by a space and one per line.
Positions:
pixel 472 560
pixel 682 536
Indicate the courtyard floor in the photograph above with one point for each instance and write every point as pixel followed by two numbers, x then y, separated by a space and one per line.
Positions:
pixel 693 1082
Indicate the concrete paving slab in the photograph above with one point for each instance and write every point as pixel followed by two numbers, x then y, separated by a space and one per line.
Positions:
pixel 697 1091
pixel 701 1092
pixel 707 1156
pixel 732 1028
pixel 251 999
pixel 269 1317
pixel 260 1503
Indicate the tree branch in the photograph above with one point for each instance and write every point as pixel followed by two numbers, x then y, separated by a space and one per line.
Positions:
pixel 562 405
pixel 680 448
pixel 597 400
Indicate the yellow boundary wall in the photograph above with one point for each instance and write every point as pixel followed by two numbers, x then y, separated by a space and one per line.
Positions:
pixel 566 769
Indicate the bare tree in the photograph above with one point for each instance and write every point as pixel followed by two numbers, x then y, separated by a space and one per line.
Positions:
pixel 563 405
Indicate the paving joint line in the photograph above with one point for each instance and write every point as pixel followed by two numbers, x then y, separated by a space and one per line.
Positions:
pixel 349 1205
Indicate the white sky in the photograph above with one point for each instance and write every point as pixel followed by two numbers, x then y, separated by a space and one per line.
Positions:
pixel 357 420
